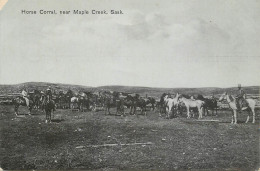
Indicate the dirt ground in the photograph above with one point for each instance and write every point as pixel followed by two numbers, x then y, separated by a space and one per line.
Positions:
pixel 27 142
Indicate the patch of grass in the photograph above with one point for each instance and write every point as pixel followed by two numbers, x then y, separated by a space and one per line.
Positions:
pixel 179 143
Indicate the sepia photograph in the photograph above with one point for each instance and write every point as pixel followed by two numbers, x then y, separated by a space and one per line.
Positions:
pixel 130 85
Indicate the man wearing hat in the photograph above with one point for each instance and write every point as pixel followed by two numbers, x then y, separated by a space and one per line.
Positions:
pixel 25 96
pixel 241 101
pixel 49 96
pixel 49 93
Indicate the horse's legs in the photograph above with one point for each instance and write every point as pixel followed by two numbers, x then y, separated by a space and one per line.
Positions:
pixel 123 110
pixel 16 109
pixel 169 113
pixel 117 110
pixel 50 116
pixel 235 116
pixel 253 111
pixel 46 119
pixel 134 110
pixel 200 112
pixel 248 116
pixel 188 112
pixel 108 109
pixel 232 121
pixel 30 109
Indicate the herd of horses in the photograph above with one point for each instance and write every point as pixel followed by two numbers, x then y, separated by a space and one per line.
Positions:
pixel 170 105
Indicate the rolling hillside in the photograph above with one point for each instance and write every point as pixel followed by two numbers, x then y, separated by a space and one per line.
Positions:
pixel 158 91
pixel 30 86
pixel 16 88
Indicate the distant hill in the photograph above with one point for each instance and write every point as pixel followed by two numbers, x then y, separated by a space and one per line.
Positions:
pixel 30 86
pixel 191 91
pixel 156 92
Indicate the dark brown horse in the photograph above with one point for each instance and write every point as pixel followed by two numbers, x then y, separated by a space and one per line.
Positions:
pixel 113 100
pixel 137 101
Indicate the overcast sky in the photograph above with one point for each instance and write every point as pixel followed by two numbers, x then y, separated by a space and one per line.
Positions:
pixel 183 43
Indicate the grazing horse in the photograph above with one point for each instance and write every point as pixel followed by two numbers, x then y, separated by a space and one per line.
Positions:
pixel 134 100
pixel 189 103
pixel 19 101
pixel 171 104
pixel 113 100
pixel 233 105
pixel 141 103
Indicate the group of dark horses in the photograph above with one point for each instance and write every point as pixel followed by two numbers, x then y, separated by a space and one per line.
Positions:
pixel 128 100
pixel 113 99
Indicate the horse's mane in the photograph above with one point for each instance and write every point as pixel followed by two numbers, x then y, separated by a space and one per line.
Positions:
pixel 200 97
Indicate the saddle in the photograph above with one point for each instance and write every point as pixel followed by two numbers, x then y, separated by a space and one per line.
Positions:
pixel 241 103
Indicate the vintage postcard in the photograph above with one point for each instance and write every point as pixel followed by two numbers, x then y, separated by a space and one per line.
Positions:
pixel 129 84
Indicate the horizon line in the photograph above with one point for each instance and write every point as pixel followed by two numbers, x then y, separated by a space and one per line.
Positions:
pixel 120 85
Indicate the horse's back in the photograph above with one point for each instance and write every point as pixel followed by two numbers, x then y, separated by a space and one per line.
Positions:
pixel 251 102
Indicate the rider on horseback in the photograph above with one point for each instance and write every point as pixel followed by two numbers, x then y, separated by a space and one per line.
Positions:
pixel 25 96
pixel 240 97
pixel 49 96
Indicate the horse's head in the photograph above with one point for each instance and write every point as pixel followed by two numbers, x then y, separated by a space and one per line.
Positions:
pixel 223 97
pixel 166 97
pixel 179 97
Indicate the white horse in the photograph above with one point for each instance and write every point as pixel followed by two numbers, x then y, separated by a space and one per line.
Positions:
pixel 171 103
pixel 232 104
pixel 74 101
pixel 190 103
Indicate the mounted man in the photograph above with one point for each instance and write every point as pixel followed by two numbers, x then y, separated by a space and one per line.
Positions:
pixel 25 96
pixel 49 93
pixel 241 99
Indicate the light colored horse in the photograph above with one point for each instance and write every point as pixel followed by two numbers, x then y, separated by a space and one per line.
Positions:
pixel 74 101
pixel 232 104
pixel 190 103
pixel 171 103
